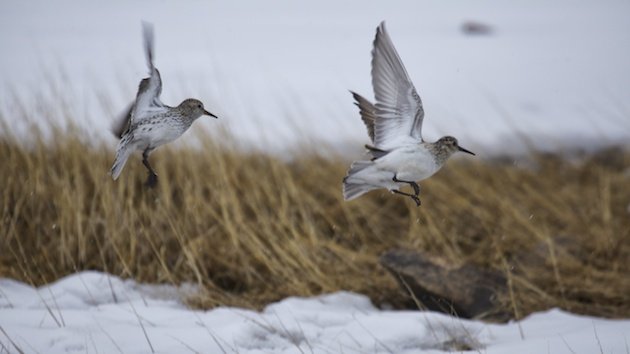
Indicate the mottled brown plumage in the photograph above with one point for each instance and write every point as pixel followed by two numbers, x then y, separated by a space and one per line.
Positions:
pixel 149 123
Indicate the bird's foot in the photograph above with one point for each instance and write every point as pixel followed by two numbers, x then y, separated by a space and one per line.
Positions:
pixel 415 198
pixel 414 185
pixel 151 180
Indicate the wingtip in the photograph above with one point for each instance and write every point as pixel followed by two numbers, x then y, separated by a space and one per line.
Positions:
pixel 381 31
pixel 147 32
pixel 381 27
pixel 357 98
pixel 147 35
pixel 147 27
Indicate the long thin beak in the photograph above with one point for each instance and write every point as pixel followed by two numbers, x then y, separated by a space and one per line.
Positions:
pixel 466 151
pixel 209 114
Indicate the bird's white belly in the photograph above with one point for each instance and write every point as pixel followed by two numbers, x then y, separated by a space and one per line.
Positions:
pixel 411 163
pixel 159 134
pixel 168 133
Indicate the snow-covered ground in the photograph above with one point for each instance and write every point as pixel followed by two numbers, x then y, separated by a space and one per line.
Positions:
pixel 92 312
pixel 278 72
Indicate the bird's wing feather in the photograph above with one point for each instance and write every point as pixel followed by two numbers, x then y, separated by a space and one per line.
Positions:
pixel 367 111
pixel 150 88
pixel 376 152
pixel 399 111
pixel 123 122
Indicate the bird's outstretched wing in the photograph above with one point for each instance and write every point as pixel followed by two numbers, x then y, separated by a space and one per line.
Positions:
pixel 399 111
pixel 150 88
pixel 367 111
pixel 368 115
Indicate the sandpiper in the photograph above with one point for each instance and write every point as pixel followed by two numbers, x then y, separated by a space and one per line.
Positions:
pixel 399 155
pixel 150 123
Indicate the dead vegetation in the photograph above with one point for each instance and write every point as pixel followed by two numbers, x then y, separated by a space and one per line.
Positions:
pixel 251 228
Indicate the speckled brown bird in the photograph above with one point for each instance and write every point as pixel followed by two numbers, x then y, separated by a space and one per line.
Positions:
pixel 150 123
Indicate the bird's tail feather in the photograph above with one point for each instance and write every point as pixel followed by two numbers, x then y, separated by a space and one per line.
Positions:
pixel 358 166
pixel 122 154
pixel 354 187
pixel 353 190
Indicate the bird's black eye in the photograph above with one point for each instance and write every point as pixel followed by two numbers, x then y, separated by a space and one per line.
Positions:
pixel 198 106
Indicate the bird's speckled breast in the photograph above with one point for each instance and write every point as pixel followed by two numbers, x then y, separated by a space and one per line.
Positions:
pixel 161 129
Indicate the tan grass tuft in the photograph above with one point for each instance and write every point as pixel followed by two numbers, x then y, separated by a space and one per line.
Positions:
pixel 252 228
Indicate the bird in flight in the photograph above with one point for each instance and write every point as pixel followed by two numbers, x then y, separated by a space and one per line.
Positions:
pixel 150 123
pixel 399 155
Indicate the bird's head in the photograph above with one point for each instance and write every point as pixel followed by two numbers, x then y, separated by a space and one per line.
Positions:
pixel 448 145
pixel 194 108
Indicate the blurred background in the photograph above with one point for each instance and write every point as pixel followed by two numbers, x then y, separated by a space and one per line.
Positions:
pixel 532 81
pixel 556 75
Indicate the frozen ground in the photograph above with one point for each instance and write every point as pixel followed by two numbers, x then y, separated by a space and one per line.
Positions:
pixel 554 74
pixel 92 312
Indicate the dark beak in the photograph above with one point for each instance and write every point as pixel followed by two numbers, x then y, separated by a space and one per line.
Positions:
pixel 209 114
pixel 466 151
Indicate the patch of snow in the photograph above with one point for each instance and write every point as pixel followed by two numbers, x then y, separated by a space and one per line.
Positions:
pixel 80 313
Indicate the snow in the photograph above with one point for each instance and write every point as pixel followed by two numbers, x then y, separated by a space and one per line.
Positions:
pixel 553 74
pixel 95 312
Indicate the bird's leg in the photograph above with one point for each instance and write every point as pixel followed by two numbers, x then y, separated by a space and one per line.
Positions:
pixel 413 197
pixel 416 188
pixel 152 179
pixel 414 185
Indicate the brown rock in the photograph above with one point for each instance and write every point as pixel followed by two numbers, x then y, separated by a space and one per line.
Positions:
pixel 466 290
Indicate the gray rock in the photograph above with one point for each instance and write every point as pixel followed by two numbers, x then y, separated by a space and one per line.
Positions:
pixel 466 291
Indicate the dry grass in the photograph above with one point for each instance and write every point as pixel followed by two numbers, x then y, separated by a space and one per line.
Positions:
pixel 251 228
